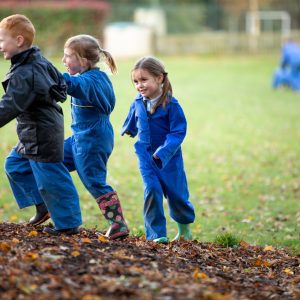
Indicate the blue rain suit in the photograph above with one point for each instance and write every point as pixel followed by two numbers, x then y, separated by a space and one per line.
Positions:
pixel 88 149
pixel 289 72
pixel 160 134
pixel 34 167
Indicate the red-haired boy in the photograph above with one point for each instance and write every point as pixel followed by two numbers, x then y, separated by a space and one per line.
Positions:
pixel 34 167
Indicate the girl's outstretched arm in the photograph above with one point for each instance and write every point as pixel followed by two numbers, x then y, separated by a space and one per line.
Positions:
pixel 129 126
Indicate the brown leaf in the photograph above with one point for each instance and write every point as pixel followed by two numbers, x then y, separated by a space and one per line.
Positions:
pixel 86 240
pixel 268 248
pixel 288 271
pixel 33 233
pixel 103 239
pixel 4 247
pixel 244 245
pixel 75 253
pixel 91 297
pixel 31 255
pixel 199 275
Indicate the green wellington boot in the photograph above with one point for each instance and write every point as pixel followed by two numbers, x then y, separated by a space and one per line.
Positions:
pixel 184 232
pixel 161 240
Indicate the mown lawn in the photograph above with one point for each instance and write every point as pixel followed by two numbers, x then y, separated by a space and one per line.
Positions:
pixel 241 151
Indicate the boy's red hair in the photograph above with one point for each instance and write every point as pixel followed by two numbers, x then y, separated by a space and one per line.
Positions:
pixel 19 25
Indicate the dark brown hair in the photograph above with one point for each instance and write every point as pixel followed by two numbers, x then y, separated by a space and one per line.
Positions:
pixel 156 68
pixel 86 46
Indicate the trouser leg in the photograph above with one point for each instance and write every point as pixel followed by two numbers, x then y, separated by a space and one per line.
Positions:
pixel 91 168
pixel 22 181
pixel 59 193
pixel 154 218
pixel 68 155
pixel 175 188
pixel 176 192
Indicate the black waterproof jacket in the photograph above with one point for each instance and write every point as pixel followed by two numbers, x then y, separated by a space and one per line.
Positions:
pixel 33 86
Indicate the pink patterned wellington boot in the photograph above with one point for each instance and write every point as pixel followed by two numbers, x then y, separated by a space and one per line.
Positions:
pixel 110 206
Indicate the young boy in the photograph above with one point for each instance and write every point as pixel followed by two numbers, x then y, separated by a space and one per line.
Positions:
pixel 34 167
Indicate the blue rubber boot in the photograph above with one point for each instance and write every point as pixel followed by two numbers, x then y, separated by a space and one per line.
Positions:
pixel 183 232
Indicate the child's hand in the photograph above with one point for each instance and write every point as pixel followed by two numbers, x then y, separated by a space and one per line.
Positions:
pixel 157 161
pixel 128 133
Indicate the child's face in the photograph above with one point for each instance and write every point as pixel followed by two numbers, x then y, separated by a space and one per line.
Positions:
pixel 145 83
pixel 10 45
pixel 71 61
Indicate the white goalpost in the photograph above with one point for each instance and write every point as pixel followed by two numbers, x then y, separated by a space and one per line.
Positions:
pixel 254 20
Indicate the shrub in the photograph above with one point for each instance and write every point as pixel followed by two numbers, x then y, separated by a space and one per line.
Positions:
pixel 53 26
pixel 227 239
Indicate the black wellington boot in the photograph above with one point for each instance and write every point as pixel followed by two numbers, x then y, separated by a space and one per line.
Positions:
pixel 41 216
pixel 68 231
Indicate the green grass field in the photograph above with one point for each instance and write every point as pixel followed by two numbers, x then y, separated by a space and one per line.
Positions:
pixel 241 152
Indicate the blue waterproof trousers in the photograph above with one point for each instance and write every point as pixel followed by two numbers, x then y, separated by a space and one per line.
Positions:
pixel 88 156
pixel 36 182
pixel 168 183
pixel 288 78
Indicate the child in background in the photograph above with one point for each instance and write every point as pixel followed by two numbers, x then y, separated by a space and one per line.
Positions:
pixel 34 167
pixel 92 101
pixel 288 74
pixel 158 120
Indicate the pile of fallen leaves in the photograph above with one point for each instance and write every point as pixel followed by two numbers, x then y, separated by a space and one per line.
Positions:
pixel 34 265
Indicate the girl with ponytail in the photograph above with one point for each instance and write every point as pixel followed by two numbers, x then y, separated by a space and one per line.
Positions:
pixel 158 120
pixel 92 101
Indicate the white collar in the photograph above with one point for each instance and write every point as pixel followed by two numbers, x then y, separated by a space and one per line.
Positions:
pixel 151 102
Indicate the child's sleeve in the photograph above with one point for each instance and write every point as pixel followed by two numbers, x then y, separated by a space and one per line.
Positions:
pixel 47 80
pixel 176 136
pixel 129 126
pixel 76 86
pixel 17 98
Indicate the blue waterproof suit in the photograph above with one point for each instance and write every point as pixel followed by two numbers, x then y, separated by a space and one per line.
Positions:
pixel 289 72
pixel 88 149
pixel 160 133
